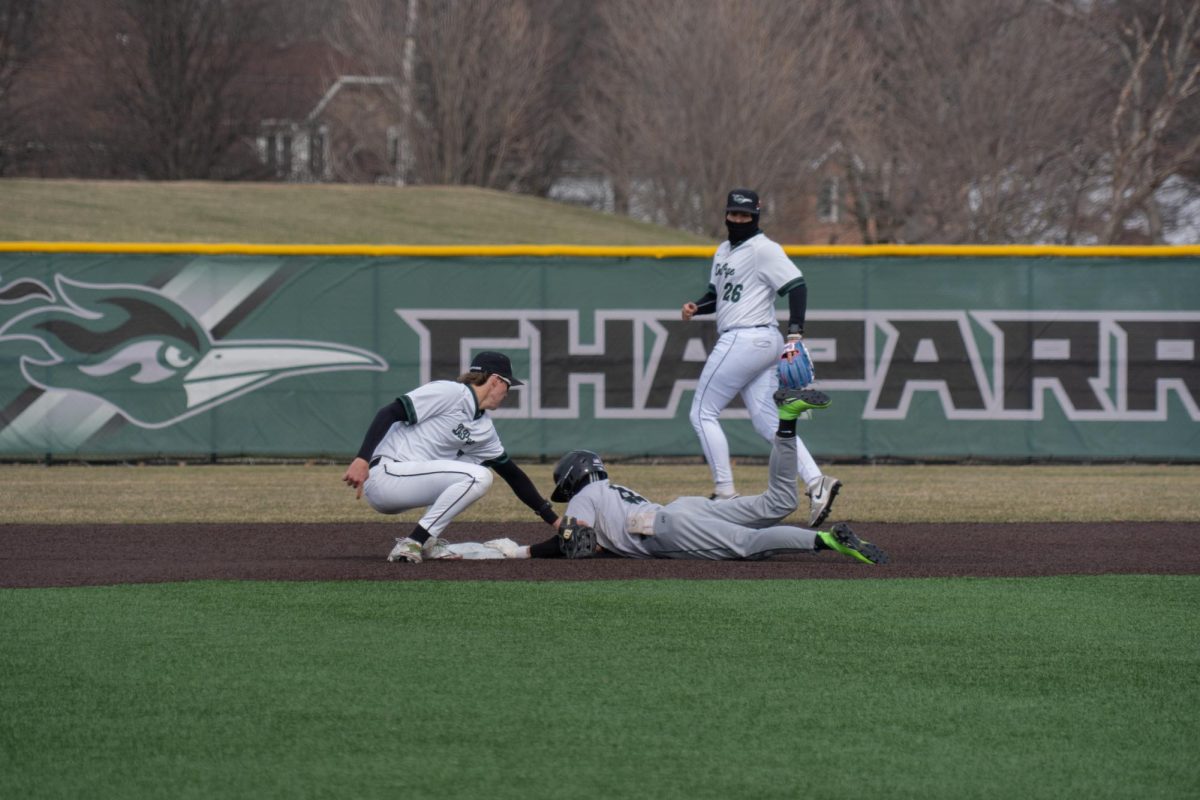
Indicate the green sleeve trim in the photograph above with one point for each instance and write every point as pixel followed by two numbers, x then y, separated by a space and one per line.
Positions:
pixel 787 287
pixel 406 401
pixel 497 461
pixel 479 412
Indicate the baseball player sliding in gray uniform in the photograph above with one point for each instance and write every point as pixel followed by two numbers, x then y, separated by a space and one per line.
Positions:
pixel 433 447
pixel 748 272
pixel 626 524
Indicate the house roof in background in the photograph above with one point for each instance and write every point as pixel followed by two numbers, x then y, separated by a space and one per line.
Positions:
pixel 288 82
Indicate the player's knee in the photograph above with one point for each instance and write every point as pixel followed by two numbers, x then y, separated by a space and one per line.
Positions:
pixel 700 415
pixel 780 501
pixel 782 506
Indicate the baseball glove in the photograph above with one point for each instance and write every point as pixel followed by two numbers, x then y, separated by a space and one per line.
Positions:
pixel 576 540
pixel 795 366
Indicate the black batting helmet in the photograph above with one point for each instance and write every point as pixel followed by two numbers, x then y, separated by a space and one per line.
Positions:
pixel 574 471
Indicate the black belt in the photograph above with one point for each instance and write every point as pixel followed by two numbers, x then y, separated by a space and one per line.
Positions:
pixel 375 460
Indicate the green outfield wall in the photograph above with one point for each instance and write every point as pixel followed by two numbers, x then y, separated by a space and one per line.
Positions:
pixel 196 351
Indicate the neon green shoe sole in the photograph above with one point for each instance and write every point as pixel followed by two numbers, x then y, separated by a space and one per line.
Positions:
pixel 844 541
pixel 794 402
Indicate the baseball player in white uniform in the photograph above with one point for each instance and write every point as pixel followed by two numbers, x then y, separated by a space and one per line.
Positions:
pixel 623 523
pixel 433 447
pixel 748 272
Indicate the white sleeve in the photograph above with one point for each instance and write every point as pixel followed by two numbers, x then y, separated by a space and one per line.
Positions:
pixel 433 400
pixel 776 268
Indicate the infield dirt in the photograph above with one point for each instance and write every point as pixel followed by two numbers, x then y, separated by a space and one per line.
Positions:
pixel 93 555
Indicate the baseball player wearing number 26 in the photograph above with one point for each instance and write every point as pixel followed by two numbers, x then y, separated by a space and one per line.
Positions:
pixel 748 272
pixel 433 447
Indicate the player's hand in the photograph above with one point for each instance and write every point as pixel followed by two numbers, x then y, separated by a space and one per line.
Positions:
pixel 556 523
pixel 688 311
pixel 356 476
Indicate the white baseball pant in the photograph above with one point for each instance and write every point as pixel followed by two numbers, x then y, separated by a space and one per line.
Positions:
pixel 742 362
pixel 446 487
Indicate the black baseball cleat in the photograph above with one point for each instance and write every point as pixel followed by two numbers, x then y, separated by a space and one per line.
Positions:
pixel 794 402
pixel 844 541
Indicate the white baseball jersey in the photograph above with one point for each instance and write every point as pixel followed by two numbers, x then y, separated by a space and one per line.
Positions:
pixel 444 423
pixel 747 279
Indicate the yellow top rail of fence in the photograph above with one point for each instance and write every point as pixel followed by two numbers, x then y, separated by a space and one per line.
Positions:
pixel 598 251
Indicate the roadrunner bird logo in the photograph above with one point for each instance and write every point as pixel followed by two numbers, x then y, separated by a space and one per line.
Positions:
pixel 145 354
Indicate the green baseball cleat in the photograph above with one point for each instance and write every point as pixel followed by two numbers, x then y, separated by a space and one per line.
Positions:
pixel 794 402
pixel 843 540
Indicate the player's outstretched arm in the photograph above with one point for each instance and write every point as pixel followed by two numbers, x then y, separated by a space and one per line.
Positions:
pixel 524 489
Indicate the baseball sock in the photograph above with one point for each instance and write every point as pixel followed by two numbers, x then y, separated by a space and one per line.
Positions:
pixel 787 429
pixel 419 535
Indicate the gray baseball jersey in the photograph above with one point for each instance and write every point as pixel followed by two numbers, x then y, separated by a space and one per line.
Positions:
pixel 608 508
pixel 445 423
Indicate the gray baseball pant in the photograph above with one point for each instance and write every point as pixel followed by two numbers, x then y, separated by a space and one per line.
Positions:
pixel 741 528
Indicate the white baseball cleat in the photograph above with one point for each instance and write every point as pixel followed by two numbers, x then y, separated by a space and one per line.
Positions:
pixel 435 549
pixel 821 497
pixel 406 549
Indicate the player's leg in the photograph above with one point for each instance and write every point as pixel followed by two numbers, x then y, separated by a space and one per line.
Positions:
pixel 820 488
pixel 778 500
pixel 714 390
pixel 446 487
pixel 738 358
pixel 695 528
pixel 759 397
pixel 682 533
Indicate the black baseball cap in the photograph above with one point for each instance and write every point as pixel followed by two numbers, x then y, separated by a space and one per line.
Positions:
pixel 489 362
pixel 744 200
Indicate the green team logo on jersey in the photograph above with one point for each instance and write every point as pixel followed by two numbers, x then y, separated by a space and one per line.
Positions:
pixel 463 434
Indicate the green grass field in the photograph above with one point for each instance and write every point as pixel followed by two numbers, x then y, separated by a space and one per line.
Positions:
pixel 264 213
pixel 1066 687
pixel 315 493
pixel 1050 687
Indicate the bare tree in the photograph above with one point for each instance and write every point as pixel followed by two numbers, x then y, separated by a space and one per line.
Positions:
pixel 22 27
pixel 483 79
pixel 688 99
pixel 1151 127
pixel 165 72
pixel 973 126
pixel 476 85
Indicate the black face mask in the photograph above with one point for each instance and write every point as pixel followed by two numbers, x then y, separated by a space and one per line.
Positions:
pixel 741 231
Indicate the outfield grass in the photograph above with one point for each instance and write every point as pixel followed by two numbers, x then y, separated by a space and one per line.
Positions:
pixel 296 493
pixel 1065 687
pixel 267 213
